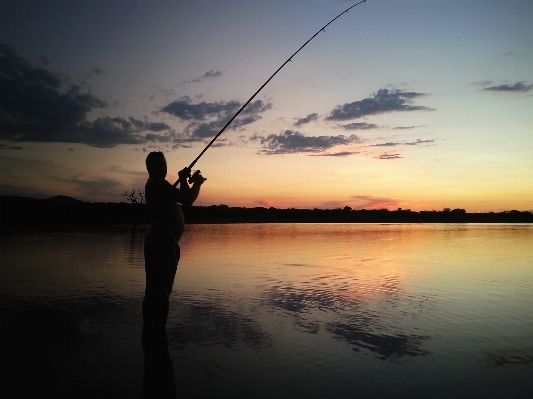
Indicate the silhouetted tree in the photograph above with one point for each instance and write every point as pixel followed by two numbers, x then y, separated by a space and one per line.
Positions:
pixel 135 197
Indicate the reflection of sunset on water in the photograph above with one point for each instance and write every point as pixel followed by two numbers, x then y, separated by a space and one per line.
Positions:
pixel 321 310
pixel 366 285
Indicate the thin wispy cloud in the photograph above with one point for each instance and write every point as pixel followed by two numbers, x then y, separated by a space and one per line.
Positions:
pixel 482 83
pixel 10 147
pixel 389 156
pixel 291 142
pixel 208 75
pixel 93 186
pixel 406 127
pixel 335 154
pixel 518 87
pixel 398 143
pixel 418 142
pixel 309 118
pixel 97 70
pixel 361 202
pixel 371 202
pixel 388 144
pixel 360 126
pixel 384 101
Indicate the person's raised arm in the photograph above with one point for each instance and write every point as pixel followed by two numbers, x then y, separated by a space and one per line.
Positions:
pixel 182 176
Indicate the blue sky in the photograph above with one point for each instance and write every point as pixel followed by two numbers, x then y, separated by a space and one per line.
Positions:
pixel 415 104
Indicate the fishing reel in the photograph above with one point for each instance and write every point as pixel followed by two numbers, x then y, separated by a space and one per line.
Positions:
pixel 195 177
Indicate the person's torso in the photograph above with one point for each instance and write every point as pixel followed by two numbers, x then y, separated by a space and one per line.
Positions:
pixel 165 213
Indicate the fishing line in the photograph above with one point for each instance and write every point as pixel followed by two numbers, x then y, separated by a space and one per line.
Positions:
pixel 323 29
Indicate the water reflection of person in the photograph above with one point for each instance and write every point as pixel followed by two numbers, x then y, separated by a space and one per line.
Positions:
pixel 158 375
pixel 161 249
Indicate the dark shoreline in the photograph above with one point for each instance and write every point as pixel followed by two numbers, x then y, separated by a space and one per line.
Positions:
pixel 22 214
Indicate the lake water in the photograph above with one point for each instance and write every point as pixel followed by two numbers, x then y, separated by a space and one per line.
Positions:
pixel 276 311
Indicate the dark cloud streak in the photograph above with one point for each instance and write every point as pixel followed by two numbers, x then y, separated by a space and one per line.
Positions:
pixel 389 156
pixel 290 142
pixel 9 147
pixel 383 101
pixel 405 127
pixel 335 154
pixel 518 87
pixel 208 75
pixel 360 126
pixel 309 118
pixel 394 144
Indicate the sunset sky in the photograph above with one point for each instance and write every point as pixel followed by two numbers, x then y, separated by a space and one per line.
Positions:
pixel 418 104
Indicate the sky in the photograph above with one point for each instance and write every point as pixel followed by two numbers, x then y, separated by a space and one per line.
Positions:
pixel 413 104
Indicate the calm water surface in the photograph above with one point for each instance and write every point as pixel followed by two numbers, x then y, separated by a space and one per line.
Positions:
pixel 277 311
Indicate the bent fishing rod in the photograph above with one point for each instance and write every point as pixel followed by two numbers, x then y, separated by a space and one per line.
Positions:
pixel 323 29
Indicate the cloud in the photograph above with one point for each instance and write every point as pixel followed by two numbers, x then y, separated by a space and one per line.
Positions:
pixel 389 156
pixel 362 202
pixel 198 132
pixel 335 154
pixel 370 202
pixel 208 75
pixel 9 147
pixel 389 144
pixel 184 109
pixel 207 119
pixel 97 70
pixel 406 127
pixel 108 132
pixel 290 142
pixel 265 202
pixel 44 60
pixel 309 118
pixel 519 87
pixel 394 144
pixel 383 101
pixel 482 83
pixel 37 105
pixel 418 141
pixel 359 126
pixel 331 205
pixel 94 186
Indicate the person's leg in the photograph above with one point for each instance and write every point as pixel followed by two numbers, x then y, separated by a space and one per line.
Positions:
pixel 170 255
pixel 150 303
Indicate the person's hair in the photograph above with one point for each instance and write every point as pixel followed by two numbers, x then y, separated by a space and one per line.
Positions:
pixel 153 160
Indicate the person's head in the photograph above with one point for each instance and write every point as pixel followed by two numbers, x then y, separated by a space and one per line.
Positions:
pixel 156 164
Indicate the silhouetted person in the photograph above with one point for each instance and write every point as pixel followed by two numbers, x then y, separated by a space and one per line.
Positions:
pixel 161 249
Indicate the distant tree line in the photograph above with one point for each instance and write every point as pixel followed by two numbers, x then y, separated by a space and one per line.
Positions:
pixel 226 214
pixel 21 213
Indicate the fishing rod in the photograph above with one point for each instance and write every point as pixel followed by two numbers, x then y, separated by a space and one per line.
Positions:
pixel 323 29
